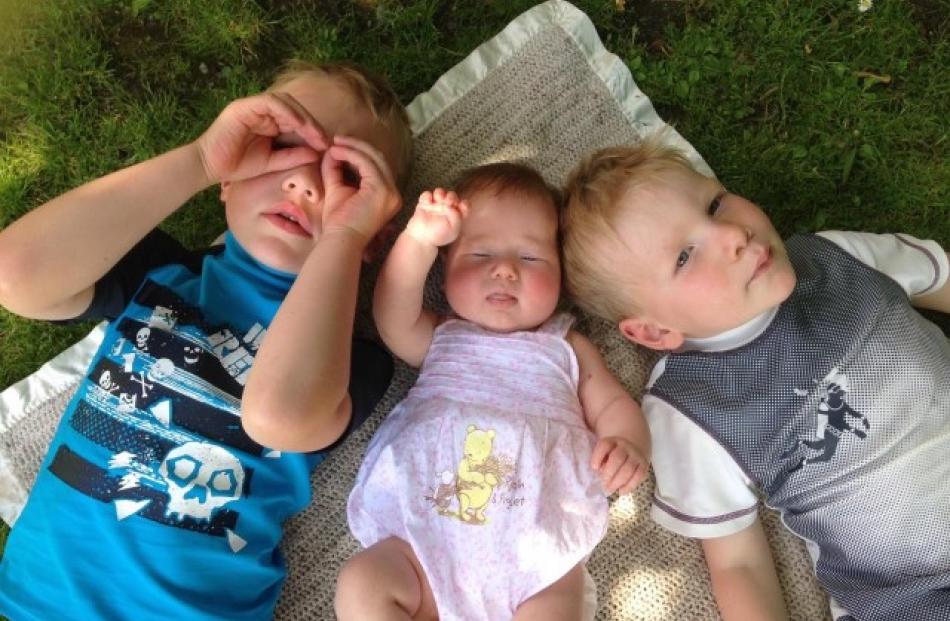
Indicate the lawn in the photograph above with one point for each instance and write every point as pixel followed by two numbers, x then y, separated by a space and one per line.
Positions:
pixel 827 116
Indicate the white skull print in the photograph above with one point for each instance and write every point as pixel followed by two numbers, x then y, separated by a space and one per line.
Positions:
pixel 201 479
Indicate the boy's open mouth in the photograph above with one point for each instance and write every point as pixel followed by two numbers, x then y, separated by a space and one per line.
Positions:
pixel 290 218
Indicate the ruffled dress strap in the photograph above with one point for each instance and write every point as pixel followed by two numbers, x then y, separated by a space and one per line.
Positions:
pixel 558 325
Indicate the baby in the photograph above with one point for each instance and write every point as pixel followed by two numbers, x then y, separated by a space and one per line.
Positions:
pixel 481 495
pixel 795 370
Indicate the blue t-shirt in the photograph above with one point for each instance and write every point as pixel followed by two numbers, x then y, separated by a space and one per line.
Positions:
pixel 152 502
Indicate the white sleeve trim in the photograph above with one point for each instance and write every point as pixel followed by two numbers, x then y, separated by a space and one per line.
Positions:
pixel 918 266
pixel 700 489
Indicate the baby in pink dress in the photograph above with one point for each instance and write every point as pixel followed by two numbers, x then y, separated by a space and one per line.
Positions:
pixel 482 494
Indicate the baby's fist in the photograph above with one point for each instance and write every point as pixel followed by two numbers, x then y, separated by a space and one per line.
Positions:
pixel 619 464
pixel 437 220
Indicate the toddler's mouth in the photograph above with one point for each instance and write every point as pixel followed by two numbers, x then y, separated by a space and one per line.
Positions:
pixel 763 263
pixel 290 218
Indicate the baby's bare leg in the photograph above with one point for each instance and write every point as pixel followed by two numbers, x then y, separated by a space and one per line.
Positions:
pixel 562 601
pixel 384 581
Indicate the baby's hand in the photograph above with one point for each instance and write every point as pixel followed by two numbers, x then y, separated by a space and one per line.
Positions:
pixel 239 143
pixel 438 217
pixel 619 463
pixel 361 194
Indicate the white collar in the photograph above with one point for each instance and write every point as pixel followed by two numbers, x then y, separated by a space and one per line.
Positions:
pixel 733 338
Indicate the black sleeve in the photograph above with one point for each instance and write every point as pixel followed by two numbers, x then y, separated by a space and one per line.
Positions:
pixel 371 370
pixel 114 291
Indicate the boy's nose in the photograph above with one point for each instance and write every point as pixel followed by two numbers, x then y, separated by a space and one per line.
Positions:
pixel 304 184
pixel 735 237
pixel 504 269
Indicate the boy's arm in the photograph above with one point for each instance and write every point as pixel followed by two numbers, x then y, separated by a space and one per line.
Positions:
pixel 296 396
pixel 622 454
pixel 742 572
pixel 938 300
pixel 921 267
pixel 51 258
pixel 404 325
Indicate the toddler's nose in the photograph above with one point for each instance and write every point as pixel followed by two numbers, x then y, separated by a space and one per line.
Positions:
pixel 735 237
pixel 304 183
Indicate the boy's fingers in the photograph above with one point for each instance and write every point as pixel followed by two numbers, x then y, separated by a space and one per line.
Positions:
pixel 271 114
pixel 368 151
pixel 370 174
pixel 302 122
pixel 285 159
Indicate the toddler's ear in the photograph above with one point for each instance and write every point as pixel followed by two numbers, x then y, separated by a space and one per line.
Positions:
pixel 224 190
pixel 646 332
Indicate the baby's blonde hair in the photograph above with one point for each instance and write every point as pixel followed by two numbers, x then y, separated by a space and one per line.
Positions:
pixel 373 91
pixel 595 195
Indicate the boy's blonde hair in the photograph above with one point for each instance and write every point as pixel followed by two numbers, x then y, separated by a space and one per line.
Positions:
pixel 373 91
pixel 595 196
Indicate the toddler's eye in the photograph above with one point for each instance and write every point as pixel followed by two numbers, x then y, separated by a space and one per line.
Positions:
pixel 351 177
pixel 480 255
pixel 683 257
pixel 715 205
pixel 529 258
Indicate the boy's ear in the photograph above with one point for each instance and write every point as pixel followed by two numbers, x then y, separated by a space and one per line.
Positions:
pixel 646 332
pixel 224 190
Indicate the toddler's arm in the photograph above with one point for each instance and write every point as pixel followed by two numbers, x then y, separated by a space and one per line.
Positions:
pixel 939 300
pixel 51 258
pixel 743 576
pixel 403 324
pixel 296 395
pixel 622 454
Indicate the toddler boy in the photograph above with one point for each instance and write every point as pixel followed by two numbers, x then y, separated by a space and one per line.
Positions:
pixel 798 370
pixel 164 494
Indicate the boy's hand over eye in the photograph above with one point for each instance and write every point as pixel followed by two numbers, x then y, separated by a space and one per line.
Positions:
pixel 239 143
pixel 437 220
pixel 360 191
pixel 619 463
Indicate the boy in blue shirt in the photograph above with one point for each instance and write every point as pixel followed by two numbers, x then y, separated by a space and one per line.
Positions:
pixel 796 371
pixel 169 478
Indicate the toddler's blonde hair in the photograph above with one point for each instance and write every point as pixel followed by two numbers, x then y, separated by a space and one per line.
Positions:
pixel 599 189
pixel 373 91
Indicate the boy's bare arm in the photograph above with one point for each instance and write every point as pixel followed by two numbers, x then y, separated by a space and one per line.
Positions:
pixel 743 576
pixel 404 325
pixel 296 397
pixel 51 258
pixel 622 454
pixel 938 300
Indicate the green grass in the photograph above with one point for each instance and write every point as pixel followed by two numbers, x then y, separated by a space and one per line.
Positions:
pixel 828 117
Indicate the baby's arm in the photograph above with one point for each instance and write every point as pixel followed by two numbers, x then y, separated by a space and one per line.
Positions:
pixel 743 576
pixel 622 454
pixel 296 397
pixel 403 324
pixel 51 258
